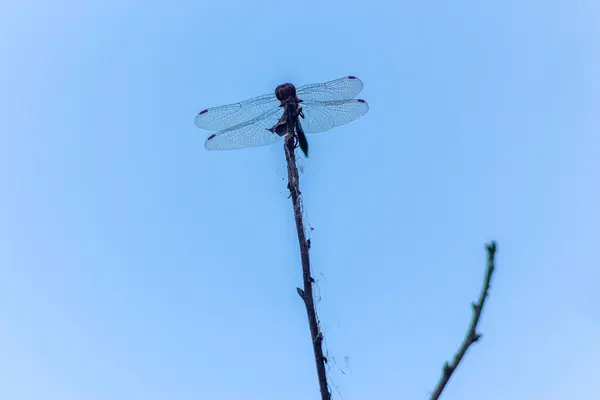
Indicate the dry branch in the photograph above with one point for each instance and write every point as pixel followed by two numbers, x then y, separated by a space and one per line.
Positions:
pixel 472 335
pixel 307 293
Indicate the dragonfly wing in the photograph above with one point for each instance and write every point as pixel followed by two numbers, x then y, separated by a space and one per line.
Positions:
pixel 251 133
pixel 227 116
pixel 322 116
pixel 344 88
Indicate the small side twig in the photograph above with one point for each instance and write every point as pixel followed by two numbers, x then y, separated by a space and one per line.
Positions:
pixel 306 294
pixel 472 335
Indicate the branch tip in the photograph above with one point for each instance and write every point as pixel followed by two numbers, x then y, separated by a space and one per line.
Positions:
pixel 491 248
pixel 472 335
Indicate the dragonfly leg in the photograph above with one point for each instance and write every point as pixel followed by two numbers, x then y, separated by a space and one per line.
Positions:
pixel 299 111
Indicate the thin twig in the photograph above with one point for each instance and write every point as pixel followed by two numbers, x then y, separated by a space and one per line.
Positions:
pixel 472 335
pixel 307 293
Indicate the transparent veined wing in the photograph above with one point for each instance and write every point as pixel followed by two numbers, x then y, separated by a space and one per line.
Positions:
pixel 321 116
pixel 229 115
pixel 251 133
pixel 344 88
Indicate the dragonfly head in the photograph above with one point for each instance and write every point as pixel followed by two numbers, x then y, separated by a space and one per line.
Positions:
pixel 285 91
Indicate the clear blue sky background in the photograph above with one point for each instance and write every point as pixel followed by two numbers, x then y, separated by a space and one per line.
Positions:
pixel 136 265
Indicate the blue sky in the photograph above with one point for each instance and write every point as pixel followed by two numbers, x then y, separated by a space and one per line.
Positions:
pixel 136 265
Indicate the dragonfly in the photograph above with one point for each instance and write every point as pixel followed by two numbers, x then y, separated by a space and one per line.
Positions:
pixel 266 119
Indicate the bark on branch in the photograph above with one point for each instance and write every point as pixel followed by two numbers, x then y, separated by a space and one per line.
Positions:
pixel 472 335
pixel 307 293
